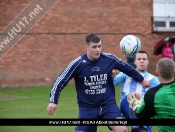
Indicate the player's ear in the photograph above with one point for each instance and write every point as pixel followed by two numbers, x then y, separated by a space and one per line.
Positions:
pixel 148 61
pixel 156 73
pixel 134 61
pixel 86 47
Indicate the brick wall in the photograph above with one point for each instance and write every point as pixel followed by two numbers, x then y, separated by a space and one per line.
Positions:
pixel 58 37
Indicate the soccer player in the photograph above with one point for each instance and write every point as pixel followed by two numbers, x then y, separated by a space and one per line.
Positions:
pixel 94 84
pixel 129 85
pixel 158 102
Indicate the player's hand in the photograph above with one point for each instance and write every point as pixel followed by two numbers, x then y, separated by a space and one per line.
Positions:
pixel 134 100
pixel 114 73
pixel 145 83
pixel 51 108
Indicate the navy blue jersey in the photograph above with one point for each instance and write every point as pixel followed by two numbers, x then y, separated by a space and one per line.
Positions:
pixel 94 84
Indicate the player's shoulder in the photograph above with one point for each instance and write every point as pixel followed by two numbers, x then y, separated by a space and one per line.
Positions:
pixel 76 61
pixel 151 74
pixel 106 54
pixel 109 55
pixel 153 90
pixel 79 58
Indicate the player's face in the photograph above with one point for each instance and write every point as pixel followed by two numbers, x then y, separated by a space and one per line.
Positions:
pixel 141 61
pixel 94 50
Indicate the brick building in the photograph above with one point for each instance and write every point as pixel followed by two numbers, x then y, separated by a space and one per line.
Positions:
pixel 58 37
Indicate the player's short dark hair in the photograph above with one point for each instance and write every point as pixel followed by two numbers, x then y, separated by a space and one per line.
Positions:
pixel 92 38
pixel 166 68
pixel 141 52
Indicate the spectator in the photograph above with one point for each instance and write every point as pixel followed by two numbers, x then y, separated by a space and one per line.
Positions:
pixel 174 51
pixel 167 51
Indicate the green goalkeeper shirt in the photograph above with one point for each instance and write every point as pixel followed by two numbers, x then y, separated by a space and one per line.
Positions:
pixel 159 103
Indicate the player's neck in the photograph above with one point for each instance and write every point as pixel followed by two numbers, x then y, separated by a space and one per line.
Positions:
pixel 142 71
pixel 164 81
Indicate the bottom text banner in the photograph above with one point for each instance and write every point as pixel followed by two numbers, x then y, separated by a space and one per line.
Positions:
pixel 76 122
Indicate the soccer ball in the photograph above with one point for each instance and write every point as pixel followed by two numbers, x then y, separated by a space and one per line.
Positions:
pixel 130 45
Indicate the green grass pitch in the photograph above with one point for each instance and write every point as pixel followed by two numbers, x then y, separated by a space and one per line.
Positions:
pixel 32 103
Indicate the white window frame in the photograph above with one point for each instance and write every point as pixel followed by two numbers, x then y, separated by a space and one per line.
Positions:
pixel 167 19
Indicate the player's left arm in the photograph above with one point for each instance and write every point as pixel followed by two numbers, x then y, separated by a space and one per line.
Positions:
pixel 143 108
pixel 146 109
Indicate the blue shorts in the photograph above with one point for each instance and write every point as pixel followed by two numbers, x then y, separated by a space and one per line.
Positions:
pixel 129 113
pixel 109 111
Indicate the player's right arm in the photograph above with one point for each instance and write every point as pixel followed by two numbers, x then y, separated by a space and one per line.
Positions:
pixel 51 108
pixel 145 83
pixel 61 81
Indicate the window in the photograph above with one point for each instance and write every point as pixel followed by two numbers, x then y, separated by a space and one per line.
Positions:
pixel 164 15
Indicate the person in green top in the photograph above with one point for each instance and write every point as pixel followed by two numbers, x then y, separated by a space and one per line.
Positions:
pixel 158 102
